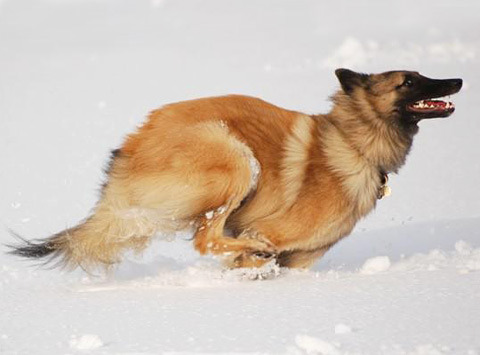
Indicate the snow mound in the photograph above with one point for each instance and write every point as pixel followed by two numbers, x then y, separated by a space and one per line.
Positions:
pixel 86 342
pixel 463 248
pixel 314 346
pixel 465 259
pixel 355 53
pixel 375 265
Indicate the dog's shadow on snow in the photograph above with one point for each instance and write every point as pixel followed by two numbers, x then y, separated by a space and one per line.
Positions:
pixel 401 241
pixel 131 269
pixel 164 258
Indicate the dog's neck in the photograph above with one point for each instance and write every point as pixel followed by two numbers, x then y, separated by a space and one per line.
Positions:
pixel 383 143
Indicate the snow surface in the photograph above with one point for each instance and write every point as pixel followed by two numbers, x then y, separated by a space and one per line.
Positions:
pixel 86 342
pixel 77 75
pixel 375 265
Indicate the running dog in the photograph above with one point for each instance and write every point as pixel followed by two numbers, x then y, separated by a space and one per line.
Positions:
pixel 255 181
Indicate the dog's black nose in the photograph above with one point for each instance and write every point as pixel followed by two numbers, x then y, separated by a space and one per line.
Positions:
pixel 456 83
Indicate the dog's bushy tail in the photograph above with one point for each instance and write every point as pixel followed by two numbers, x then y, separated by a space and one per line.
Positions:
pixel 56 249
pixel 99 241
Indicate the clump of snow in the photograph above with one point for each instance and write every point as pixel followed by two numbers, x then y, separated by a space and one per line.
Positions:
pixel 375 265
pixel 314 346
pixel 101 105
pixel 463 248
pixel 351 53
pixel 255 171
pixel 464 259
pixel 209 215
pixel 268 271
pixel 342 329
pixel 86 342
pixel 469 258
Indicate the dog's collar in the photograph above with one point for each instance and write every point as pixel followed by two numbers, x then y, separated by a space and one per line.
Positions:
pixel 384 190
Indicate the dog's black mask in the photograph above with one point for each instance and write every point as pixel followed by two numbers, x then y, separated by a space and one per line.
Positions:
pixel 420 97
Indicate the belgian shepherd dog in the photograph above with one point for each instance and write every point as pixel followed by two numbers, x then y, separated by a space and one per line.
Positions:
pixel 256 182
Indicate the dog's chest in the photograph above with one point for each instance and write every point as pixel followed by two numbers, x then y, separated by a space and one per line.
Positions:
pixel 355 197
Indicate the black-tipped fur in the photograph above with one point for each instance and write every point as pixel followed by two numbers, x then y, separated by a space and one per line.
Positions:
pixel 115 153
pixel 349 79
pixel 30 249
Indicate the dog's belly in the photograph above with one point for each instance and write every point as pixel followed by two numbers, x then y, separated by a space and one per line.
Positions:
pixel 316 219
pixel 304 226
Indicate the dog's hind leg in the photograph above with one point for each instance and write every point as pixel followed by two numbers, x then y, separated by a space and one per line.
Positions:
pixel 198 173
pixel 237 181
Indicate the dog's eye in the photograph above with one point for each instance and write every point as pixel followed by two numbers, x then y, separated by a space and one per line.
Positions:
pixel 408 83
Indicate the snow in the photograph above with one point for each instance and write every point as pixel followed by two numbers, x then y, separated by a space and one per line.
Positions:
pixel 342 329
pixel 209 215
pixel 86 342
pixel 354 53
pixel 375 265
pixel 78 75
pixel 313 346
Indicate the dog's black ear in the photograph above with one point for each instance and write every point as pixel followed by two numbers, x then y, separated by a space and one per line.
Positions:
pixel 350 79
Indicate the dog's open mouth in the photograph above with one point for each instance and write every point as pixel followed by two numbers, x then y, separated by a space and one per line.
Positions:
pixel 431 108
pixel 436 107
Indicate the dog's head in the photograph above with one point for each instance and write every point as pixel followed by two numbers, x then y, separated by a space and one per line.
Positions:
pixel 378 113
pixel 403 96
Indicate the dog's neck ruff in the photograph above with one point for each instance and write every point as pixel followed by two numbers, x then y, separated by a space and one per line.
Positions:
pixel 384 190
pixel 381 141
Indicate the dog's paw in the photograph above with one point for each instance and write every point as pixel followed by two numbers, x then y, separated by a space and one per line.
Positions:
pixel 250 259
pixel 257 242
pixel 262 255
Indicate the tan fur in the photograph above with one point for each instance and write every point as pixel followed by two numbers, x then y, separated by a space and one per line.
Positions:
pixel 193 163
pixel 295 159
